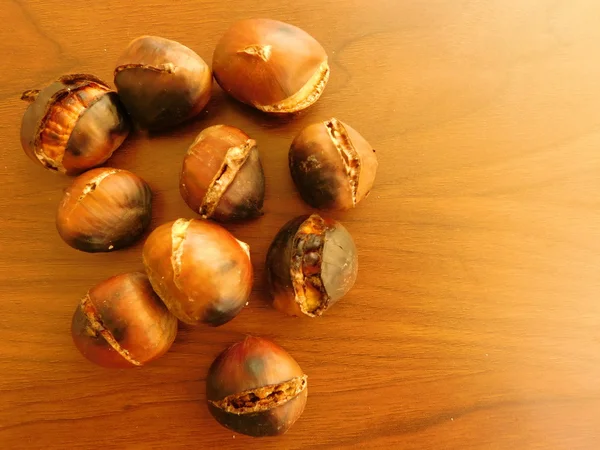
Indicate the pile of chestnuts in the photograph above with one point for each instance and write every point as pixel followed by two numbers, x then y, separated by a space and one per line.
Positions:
pixel 195 270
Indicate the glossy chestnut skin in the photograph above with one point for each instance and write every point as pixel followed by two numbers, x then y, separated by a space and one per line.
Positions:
pixel 199 270
pixel 104 209
pixel 122 323
pixel 256 388
pixel 73 124
pixel 162 82
pixel 332 165
pixel 271 65
pixel 222 176
pixel 311 264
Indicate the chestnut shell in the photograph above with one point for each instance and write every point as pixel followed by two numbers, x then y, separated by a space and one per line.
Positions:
pixel 311 264
pixel 73 124
pixel 256 388
pixel 162 82
pixel 122 323
pixel 332 165
pixel 271 65
pixel 104 209
pixel 222 177
pixel 199 270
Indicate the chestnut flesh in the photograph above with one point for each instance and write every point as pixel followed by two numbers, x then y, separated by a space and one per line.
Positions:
pixel 122 323
pixel 256 388
pixel 311 264
pixel 222 176
pixel 332 165
pixel 271 65
pixel 162 82
pixel 199 270
pixel 104 209
pixel 73 124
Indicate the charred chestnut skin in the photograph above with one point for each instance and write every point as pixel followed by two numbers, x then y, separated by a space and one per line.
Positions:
pixel 311 264
pixel 240 380
pixel 121 323
pixel 222 177
pixel 161 82
pixel 104 209
pixel 199 270
pixel 73 124
pixel 332 165
pixel 273 66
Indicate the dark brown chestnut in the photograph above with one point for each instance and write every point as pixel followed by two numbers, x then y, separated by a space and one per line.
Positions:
pixel 332 165
pixel 311 264
pixel 104 209
pixel 121 323
pixel 222 177
pixel 256 388
pixel 199 270
pixel 271 65
pixel 73 124
pixel 162 82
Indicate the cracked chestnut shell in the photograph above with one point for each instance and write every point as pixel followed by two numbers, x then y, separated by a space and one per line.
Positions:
pixel 256 388
pixel 199 270
pixel 271 65
pixel 332 165
pixel 73 124
pixel 122 323
pixel 222 176
pixel 104 209
pixel 311 264
pixel 162 82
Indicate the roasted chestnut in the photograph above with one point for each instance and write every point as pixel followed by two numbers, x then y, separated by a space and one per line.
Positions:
pixel 311 264
pixel 162 82
pixel 332 165
pixel 222 177
pixel 256 388
pixel 271 65
pixel 199 270
pixel 74 124
pixel 122 323
pixel 104 209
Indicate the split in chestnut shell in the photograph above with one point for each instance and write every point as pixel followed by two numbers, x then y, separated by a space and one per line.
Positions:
pixel 311 264
pixel 73 124
pixel 222 177
pixel 332 165
pixel 104 209
pixel 256 388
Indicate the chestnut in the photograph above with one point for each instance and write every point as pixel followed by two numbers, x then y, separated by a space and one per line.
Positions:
pixel 162 82
pixel 256 388
pixel 122 323
pixel 199 270
pixel 311 264
pixel 332 165
pixel 104 209
pixel 271 65
pixel 73 124
pixel 222 177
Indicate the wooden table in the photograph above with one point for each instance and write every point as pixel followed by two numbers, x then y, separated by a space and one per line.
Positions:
pixel 475 319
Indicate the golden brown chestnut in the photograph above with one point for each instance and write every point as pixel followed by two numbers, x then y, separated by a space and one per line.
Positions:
pixel 271 65
pixel 121 323
pixel 73 124
pixel 104 209
pixel 311 264
pixel 256 388
pixel 332 165
pixel 162 82
pixel 199 270
pixel 222 177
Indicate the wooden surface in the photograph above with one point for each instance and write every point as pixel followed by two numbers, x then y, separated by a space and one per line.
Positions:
pixel 475 319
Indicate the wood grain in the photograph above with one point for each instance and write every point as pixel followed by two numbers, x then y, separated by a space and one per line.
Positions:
pixel 475 319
